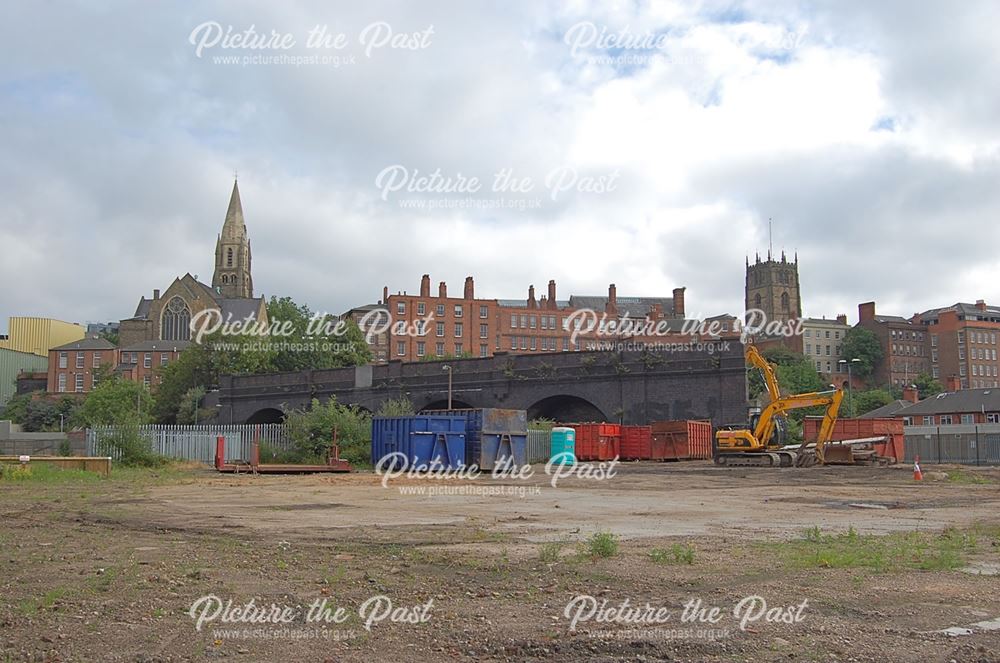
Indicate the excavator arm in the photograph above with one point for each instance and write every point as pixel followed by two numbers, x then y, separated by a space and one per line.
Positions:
pixel 756 359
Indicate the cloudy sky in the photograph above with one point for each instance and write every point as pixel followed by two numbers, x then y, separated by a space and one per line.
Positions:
pixel 647 145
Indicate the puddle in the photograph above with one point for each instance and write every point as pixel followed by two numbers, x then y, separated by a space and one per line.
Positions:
pixel 878 506
pixel 958 631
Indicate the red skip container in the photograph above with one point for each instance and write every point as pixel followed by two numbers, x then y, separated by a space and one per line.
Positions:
pixel 637 443
pixel 681 440
pixel 597 441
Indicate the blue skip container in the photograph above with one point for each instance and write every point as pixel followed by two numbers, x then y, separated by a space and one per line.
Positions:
pixel 419 441
pixel 494 437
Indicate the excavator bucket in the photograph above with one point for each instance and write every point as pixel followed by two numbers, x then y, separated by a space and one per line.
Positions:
pixel 838 454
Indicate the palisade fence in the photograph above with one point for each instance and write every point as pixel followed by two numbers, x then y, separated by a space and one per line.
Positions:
pixel 966 444
pixel 196 442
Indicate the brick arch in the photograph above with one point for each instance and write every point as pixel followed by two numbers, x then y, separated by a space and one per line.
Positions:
pixel 566 408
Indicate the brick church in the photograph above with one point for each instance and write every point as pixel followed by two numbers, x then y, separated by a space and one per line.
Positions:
pixel 167 316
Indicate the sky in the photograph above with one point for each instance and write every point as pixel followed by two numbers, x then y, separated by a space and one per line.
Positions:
pixel 644 144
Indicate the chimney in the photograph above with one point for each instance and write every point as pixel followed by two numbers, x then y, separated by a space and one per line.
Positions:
pixel 981 304
pixel 679 302
pixel 385 295
pixel 842 318
pixel 425 285
pixel 531 297
pixel 552 294
pixel 910 393
pixel 156 294
pixel 866 312
pixel 469 288
pixel 443 290
pixel 953 383
pixel 612 305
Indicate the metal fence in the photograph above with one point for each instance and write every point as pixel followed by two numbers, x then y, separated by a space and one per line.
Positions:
pixel 966 444
pixel 539 443
pixel 195 442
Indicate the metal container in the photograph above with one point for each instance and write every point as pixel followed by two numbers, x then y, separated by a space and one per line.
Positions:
pixel 637 443
pixel 563 449
pixel 857 429
pixel 12 363
pixel 598 441
pixel 539 448
pixel 681 440
pixel 493 436
pixel 422 440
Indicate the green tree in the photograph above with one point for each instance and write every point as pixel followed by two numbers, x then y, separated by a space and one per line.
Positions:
pixel 313 340
pixel 16 409
pixel 927 386
pixel 866 401
pixel 312 431
pixel 862 344
pixel 396 407
pixel 795 373
pixel 116 401
pixel 190 410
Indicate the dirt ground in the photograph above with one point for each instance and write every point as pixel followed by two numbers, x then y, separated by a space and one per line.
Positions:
pixel 110 570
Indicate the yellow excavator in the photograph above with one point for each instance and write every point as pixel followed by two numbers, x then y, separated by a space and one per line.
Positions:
pixel 762 442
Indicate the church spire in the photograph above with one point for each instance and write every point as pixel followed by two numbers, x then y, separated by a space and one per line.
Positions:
pixel 232 276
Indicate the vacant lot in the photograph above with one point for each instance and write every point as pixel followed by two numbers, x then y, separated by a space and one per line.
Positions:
pixel 865 564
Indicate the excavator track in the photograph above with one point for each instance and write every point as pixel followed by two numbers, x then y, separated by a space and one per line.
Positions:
pixel 764 459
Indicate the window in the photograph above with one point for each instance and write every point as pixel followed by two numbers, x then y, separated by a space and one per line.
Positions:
pixel 534 345
pixel 229 257
pixel 458 310
pixel 935 372
pixel 828 351
pixel 993 418
pixel 933 340
pixel 484 331
pixel 484 312
pixel 420 348
pixel 819 366
pixel 565 345
pixel 421 328
pixel 513 321
pixel 961 338
pixel 552 322
pixel 146 380
pixel 97 360
pixel 968 419
pixel 439 329
pixel 458 330
pixel 524 322
pixel 79 382
pixel 62 382
pixel 838 350
pixel 513 342
pixel 827 335
pixel 79 360
pixel 836 335
pixel 785 304
pixel 484 350
pixel 961 353
pixel 63 357
pixel 961 370
pixel 934 356
pixel 945 419
pixel 400 308
pixel 807 333
pixel 440 310
pixel 421 310
pixel 175 324
pixel 93 380
pixel 809 347
pixel 533 321
pixel 439 349
pixel 164 358
pixel 459 349
pixel 928 420
pixel 524 342
pixel 544 322
pixel 147 360
pixel 401 348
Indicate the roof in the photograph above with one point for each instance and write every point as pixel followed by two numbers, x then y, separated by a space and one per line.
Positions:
pixel 634 306
pixel 87 344
pixel 966 311
pixel 964 400
pixel 897 319
pixel 240 308
pixel 888 410
pixel 234 228
pixel 142 310
pixel 159 346
pixel 523 303
pixel 825 321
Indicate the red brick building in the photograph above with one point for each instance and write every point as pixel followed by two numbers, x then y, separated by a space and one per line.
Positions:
pixel 142 362
pixel 905 346
pixel 440 325
pixel 76 366
pixel 963 344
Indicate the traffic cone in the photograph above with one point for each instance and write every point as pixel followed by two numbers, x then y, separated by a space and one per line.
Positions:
pixel 917 474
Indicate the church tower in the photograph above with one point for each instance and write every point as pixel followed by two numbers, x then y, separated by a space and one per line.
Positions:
pixel 232 277
pixel 773 287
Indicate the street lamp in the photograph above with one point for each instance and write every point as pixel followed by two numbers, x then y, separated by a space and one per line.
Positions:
pixel 446 367
pixel 850 398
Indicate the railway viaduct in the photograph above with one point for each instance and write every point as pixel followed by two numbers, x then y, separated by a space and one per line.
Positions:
pixel 689 381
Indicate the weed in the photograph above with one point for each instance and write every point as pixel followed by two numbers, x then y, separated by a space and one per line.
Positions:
pixel 677 553
pixel 602 544
pixel 549 552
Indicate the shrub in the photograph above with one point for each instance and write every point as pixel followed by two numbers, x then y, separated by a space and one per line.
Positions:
pixel 603 544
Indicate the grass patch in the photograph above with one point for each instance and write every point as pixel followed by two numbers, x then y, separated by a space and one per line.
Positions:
pixel 44 473
pixel 879 554
pixel 602 544
pixel 678 553
pixel 967 478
